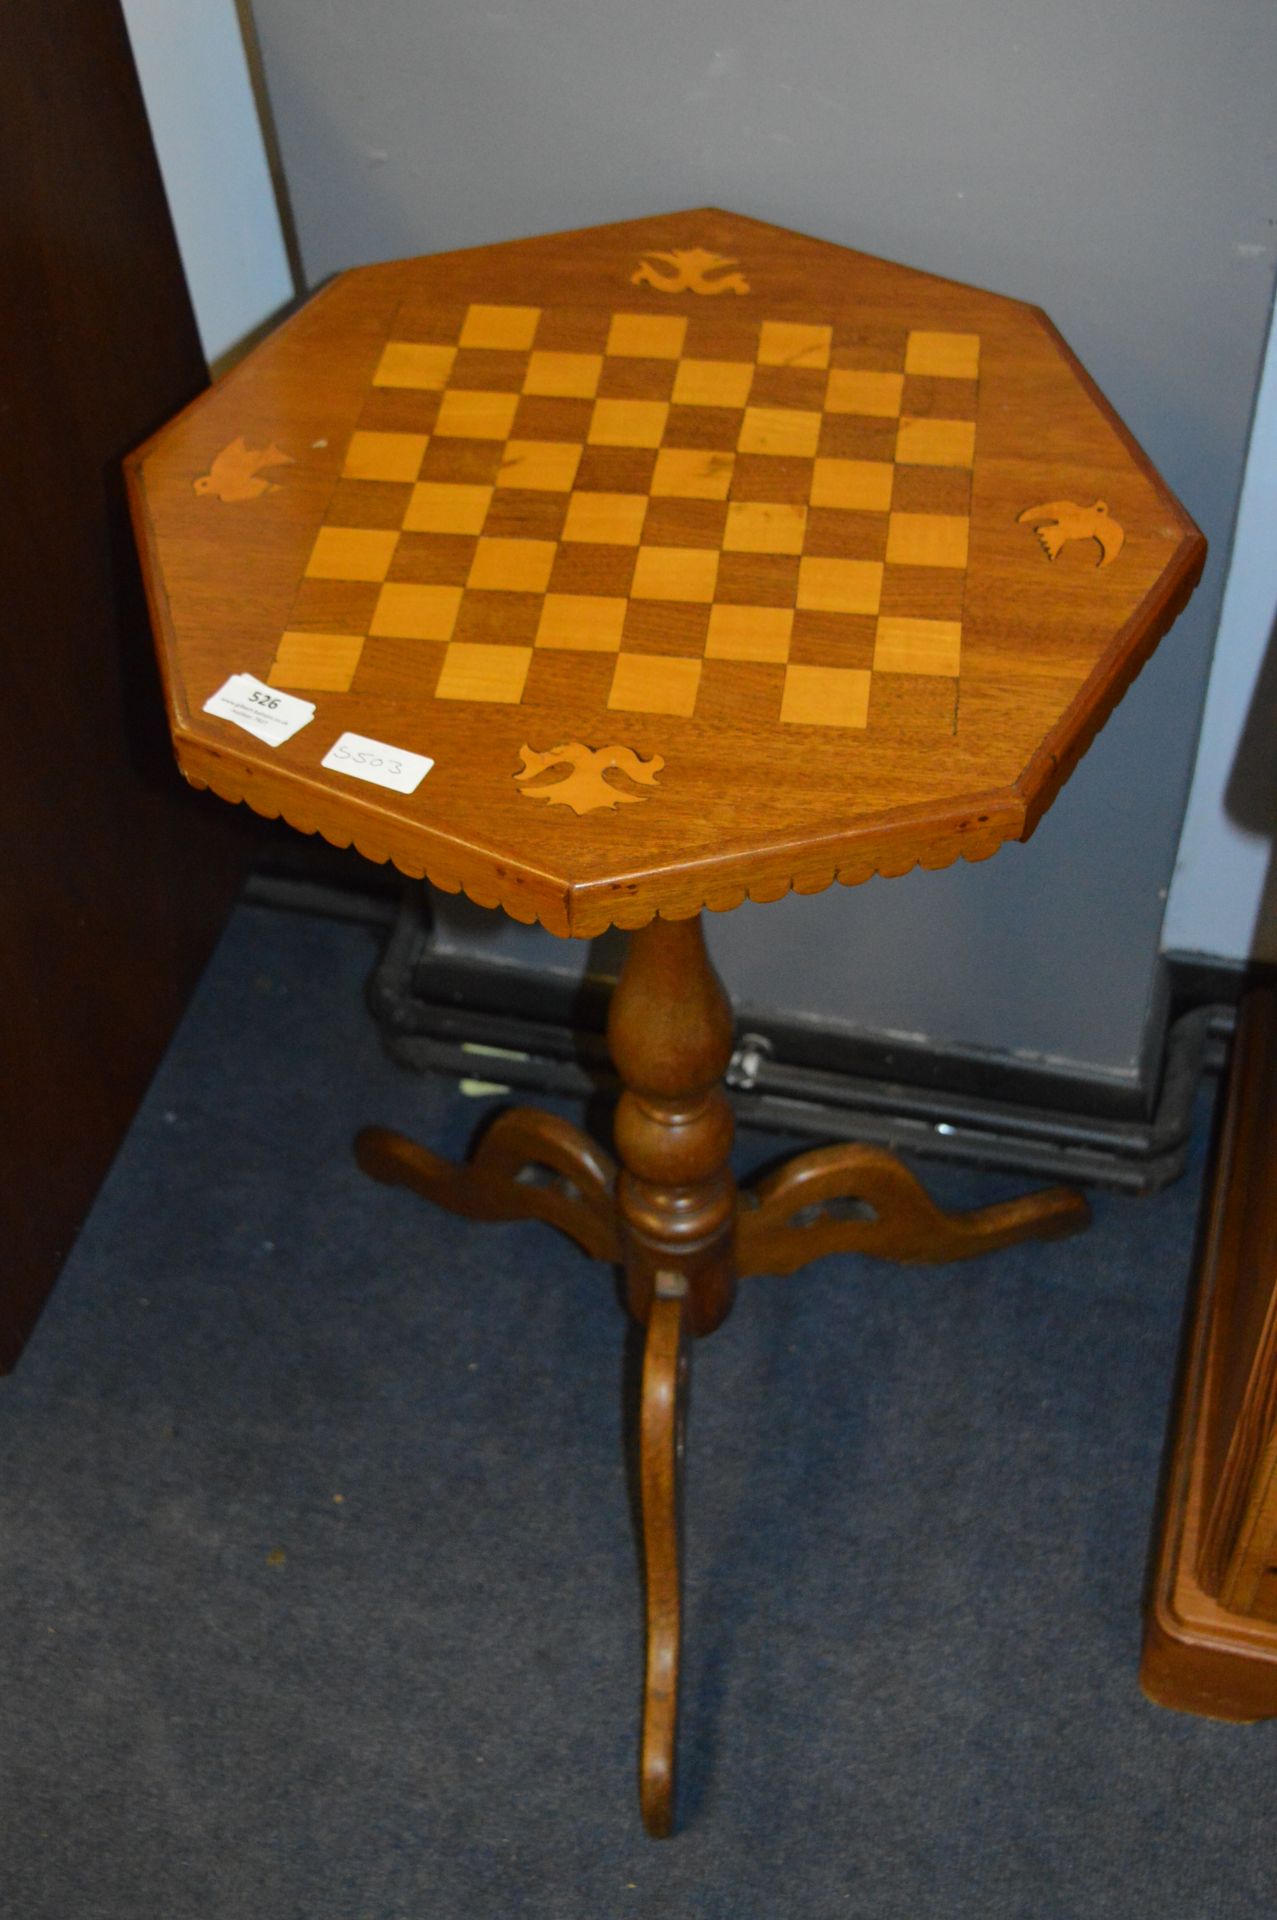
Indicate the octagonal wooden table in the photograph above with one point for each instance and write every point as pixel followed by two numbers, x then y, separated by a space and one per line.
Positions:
pixel 698 561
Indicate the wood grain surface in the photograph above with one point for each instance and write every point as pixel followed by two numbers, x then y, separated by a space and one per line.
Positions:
pixel 665 1368
pixel 115 879
pixel 1210 1642
pixel 694 488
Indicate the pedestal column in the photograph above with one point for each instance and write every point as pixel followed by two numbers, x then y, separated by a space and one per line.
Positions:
pixel 670 1033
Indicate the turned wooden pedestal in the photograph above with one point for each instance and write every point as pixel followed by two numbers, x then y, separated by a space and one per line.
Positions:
pixel 671 1214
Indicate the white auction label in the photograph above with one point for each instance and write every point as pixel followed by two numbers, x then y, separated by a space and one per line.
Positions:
pixel 362 759
pixel 273 716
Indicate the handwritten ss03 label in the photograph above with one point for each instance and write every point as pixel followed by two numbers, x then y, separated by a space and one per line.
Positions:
pixel 364 759
pixel 273 716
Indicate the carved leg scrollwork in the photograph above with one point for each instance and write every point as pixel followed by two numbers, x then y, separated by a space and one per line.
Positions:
pixel 858 1199
pixel 662 1422
pixel 670 1214
pixel 528 1165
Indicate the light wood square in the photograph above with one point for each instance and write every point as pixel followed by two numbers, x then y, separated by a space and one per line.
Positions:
pixel 936 443
pixel 826 696
pixel 856 390
pixel 442 506
pixel 548 466
pixel 584 622
pixel 647 336
pixel 384 456
pixel 410 363
pixel 513 566
pixel 712 383
pixel 675 573
pixel 956 355
pixel 839 586
pixel 472 671
pixel 764 526
pixel 565 376
pixel 692 473
pixel 862 485
pixel 927 539
pixel 628 423
pixel 351 553
pixel 476 416
pixel 779 430
pixel 511 327
pixel 918 646
pixel 406 612
pixel 655 683
pixel 749 633
pixel 607 519
pixel 794 343
pixel 324 662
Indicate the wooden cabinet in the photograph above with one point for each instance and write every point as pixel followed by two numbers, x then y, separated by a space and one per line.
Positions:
pixel 1211 1638
pixel 115 881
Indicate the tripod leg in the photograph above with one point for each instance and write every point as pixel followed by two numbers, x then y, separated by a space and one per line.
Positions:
pixel 665 1370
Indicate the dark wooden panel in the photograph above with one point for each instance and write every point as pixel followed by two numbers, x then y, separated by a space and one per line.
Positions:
pixel 1238 1493
pixel 115 878
pixel 1211 1629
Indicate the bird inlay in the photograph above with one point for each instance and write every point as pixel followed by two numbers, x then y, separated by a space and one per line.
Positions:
pixel 1058 521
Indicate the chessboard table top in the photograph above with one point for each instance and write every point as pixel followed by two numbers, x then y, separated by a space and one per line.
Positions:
pixel 703 560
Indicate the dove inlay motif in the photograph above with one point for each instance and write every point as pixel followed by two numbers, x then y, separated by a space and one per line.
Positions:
pixel 689 268
pixel 234 474
pixel 585 788
pixel 1057 521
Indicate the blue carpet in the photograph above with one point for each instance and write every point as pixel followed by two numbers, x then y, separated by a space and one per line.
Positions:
pixel 318 1588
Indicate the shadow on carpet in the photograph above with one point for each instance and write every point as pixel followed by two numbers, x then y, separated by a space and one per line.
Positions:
pixel 318 1588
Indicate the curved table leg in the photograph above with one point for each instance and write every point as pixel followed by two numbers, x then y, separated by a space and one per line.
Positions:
pixel 672 1217
pixel 528 1166
pixel 665 1370
pixel 859 1199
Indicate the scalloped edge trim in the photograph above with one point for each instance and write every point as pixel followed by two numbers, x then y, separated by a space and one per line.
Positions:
pixel 852 871
pixel 519 907
pixel 584 917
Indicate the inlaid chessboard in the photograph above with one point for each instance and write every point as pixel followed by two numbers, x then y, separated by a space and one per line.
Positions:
pixel 693 558
pixel 658 503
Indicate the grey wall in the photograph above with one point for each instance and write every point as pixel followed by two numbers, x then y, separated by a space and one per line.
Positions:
pixel 199 100
pixel 1113 163
pixel 1224 894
